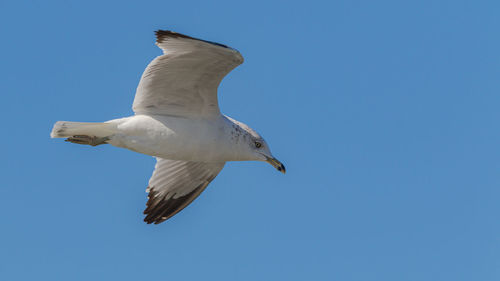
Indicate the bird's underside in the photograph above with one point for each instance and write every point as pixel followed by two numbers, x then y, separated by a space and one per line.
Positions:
pixel 173 185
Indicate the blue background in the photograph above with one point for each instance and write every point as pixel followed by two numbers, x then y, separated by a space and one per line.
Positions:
pixel 385 113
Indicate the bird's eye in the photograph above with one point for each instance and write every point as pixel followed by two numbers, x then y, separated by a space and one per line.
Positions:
pixel 258 144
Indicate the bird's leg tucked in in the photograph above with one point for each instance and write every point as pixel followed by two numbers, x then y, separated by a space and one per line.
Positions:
pixel 90 140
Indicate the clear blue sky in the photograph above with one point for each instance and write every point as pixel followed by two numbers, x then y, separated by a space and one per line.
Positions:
pixel 385 113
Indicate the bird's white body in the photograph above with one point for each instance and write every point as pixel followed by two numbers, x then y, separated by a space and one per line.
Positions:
pixel 218 139
pixel 177 120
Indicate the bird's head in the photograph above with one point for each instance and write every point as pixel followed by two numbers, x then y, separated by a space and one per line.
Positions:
pixel 254 146
pixel 261 150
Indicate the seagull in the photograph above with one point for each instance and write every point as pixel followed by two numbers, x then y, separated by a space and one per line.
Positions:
pixel 177 120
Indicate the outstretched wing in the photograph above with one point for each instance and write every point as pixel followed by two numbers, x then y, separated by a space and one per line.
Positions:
pixel 184 80
pixel 174 185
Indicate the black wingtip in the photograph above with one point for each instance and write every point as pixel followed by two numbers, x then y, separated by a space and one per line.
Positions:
pixel 161 208
pixel 163 35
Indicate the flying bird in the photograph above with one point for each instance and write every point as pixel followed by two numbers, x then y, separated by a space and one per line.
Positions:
pixel 177 120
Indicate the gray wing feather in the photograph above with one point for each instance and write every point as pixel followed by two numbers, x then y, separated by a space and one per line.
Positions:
pixel 174 185
pixel 183 82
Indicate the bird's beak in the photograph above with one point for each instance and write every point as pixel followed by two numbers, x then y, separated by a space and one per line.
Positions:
pixel 276 164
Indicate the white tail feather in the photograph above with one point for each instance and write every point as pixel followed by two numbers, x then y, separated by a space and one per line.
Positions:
pixel 63 129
